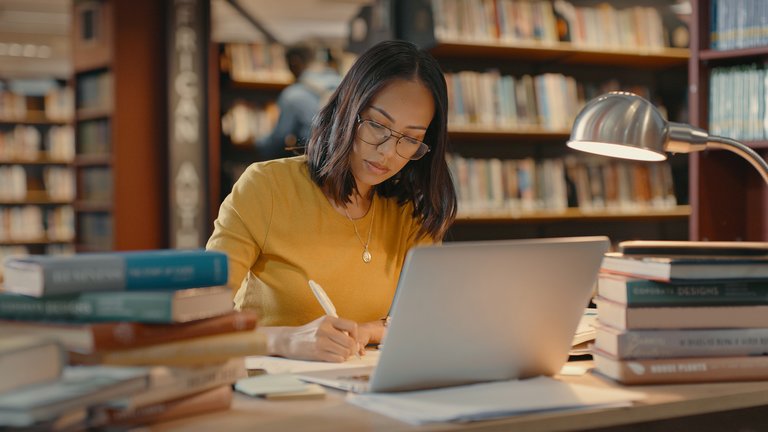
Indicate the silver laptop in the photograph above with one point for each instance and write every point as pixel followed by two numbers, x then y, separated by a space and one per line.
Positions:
pixel 470 312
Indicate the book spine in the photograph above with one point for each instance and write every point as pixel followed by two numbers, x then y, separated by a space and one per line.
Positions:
pixel 110 336
pixel 684 317
pixel 192 352
pixel 149 270
pixel 640 292
pixel 147 307
pixel 683 370
pixel 216 399
pixel 171 383
pixel 172 270
pixel 639 344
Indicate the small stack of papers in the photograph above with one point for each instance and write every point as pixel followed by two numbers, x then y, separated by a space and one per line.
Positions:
pixel 491 400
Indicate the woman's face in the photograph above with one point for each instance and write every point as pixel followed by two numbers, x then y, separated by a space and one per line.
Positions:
pixel 406 107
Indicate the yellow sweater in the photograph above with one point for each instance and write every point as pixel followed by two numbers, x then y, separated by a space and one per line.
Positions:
pixel 278 224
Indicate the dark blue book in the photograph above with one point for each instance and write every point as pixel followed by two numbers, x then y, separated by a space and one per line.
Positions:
pixel 169 269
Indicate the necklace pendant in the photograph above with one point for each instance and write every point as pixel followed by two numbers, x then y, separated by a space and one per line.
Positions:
pixel 366 256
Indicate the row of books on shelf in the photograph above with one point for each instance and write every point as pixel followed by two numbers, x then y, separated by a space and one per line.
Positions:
pixel 58 182
pixel 514 186
pixel 549 22
pixel 672 312
pixel 245 122
pixel 549 100
pixel 257 62
pixel 35 223
pixel 738 24
pixel 56 105
pixel 738 100
pixel 95 230
pixel 96 184
pixel 94 137
pixel 119 339
pixel 28 143
pixel 94 91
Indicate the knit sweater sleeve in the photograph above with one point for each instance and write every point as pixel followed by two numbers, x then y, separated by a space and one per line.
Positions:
pixel 243 222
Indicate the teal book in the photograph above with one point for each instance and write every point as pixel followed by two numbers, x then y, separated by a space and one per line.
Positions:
pixel 168 269
pixel 136 306
pixel 635 292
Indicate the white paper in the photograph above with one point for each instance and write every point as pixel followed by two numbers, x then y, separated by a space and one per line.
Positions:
pixel 491 400
pixel 279 365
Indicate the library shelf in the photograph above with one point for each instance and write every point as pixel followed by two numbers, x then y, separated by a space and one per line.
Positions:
pixel 565 53
pixel 678 212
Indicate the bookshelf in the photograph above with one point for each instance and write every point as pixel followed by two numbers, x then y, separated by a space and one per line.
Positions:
pixel 247 78
pixel 119 80
pixel 37 182
pixel 515 85
pixel 729 200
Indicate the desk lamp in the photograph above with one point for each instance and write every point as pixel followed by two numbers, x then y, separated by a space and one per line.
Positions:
pixel 624 125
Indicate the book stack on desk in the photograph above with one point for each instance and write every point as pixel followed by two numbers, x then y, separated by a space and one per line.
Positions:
pixel 675 312
pixel 167 312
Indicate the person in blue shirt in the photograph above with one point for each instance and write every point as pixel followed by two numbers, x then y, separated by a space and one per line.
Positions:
pixel 299 102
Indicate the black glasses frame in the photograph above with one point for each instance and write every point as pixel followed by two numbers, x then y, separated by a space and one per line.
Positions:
pixel 420 153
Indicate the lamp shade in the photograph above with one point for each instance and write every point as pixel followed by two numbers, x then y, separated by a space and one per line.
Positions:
pixel 621 124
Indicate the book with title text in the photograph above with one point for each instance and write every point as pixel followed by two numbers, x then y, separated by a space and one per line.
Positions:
pixel 673 311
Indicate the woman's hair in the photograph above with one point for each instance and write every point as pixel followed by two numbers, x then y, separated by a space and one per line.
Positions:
pixel 425 182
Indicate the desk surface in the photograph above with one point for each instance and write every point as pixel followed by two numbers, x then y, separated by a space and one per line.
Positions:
pixel 332 414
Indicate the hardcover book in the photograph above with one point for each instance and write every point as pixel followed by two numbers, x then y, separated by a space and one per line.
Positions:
pixel 41 359
pixel 215 399
pixel 78 387
pixel 140 306
pixel 92 337
pixel 191 352
pixel 672 343
pixel 696 248
pixel 619 316
pixel 644 292
pixel 168 383
pixel 682 370
pixel 669 268
pixel 44 275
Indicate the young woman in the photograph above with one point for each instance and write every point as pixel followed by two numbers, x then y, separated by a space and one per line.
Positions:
pixel 373 184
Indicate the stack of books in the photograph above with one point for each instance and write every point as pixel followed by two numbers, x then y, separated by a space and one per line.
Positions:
pixel 39 391
pixel 167 313
pixel 675 312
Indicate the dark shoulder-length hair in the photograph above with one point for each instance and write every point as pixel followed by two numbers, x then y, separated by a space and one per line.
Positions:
pixel 425 182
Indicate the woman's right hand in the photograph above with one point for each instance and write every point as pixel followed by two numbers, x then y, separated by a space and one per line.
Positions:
pixel 327 339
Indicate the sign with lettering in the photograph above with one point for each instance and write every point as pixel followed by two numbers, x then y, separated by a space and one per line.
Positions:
pixel 187 124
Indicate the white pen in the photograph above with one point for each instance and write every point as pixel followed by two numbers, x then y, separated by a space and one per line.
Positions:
pixel 327 304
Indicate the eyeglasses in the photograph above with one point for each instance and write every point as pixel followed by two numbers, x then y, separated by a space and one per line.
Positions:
pixel 373 133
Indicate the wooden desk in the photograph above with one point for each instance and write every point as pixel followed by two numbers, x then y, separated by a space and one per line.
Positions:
pixel 700 407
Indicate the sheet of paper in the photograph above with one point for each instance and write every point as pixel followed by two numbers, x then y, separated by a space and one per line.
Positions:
pixel 279 365
pixel 491 400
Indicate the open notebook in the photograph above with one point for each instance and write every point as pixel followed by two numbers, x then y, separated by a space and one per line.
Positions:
pixel 471 312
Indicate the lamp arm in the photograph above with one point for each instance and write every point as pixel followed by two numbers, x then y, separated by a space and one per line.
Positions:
pixel 742 150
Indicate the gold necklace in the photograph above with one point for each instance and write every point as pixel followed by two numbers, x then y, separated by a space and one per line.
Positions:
pixel 366 253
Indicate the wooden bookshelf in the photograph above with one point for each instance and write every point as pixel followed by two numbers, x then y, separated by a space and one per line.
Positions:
pixel 119 59
pixel 36 170
pixel 463 132
pixel 729 199
pixel 681 212
pixel 660 70
pixel 257 87
pixel 564 52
